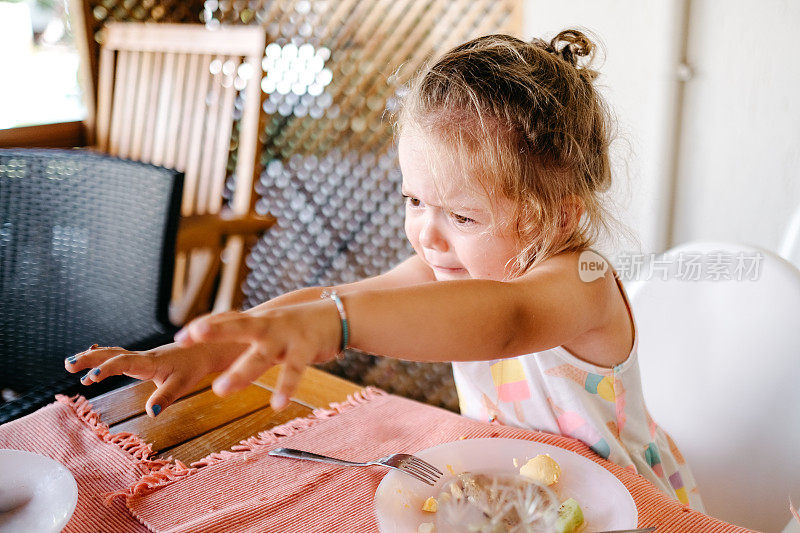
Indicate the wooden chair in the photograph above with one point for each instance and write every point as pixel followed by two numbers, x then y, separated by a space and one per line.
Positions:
pixel 167 95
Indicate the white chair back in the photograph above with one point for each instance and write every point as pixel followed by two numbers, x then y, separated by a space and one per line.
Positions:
pixel 719 349
pixel 790 243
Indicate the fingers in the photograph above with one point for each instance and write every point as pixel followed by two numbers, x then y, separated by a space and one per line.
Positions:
pixel 91 358
pixel 232 326
pixel 256 360
pixel 288 380
pixel 175 387
pixel 135 365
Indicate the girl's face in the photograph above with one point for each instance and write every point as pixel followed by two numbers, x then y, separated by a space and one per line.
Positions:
pixel 451 229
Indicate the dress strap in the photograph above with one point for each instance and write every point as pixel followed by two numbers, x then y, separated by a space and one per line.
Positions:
pixel 624 293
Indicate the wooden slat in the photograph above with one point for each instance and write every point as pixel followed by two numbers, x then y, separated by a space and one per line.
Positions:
pixel 197 121
pixel 164 102
pixel 178 287
pixel 156 99
pixel 129 401
pixel 117 108
pixel 105 92
pixel 317 388
pixel 184 133
pixel 233 255
pixel 142 103
pixel 169 102
pixel 203 231
pixel 61 135
pixel 223 438
pixel 222 143
pixel 182 38
pixel 130 83
pixel 201 266
pixel 212 127
pixel 202 423
pixel 193 416
pixel 246 170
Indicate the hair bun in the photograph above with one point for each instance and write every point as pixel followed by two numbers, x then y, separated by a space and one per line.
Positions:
pixel 569 45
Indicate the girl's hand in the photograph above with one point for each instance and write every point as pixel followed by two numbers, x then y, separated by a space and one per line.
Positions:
pixel 173 369
pixel 296 335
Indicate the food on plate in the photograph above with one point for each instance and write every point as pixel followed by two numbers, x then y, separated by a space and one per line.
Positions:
pixel 570 517
pixel 542 469
pixel 430 505
pixel 491 502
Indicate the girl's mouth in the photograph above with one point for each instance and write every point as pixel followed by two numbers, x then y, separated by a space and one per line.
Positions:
pixel 447 270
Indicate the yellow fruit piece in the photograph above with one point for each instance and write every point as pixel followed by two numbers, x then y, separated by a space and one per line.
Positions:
pixel 430 505
pixel 570 517
pixel 542 469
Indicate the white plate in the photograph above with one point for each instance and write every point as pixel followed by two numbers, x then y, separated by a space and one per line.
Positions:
pixel 605 501
pixel 36 493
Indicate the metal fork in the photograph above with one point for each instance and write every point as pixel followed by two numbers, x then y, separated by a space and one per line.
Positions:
pixel 413 466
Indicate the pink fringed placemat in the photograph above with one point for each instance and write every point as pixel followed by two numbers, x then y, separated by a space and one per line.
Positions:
pixel 246 490
pixel 70 432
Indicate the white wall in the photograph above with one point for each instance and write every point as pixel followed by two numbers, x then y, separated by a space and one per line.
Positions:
pixel 641 42
pixel 739 171
pixel 737 175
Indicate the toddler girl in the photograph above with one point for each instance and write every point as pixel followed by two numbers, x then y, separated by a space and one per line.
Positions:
pixel 503 146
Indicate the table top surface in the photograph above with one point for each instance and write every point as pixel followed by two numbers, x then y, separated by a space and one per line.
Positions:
pixel 201 423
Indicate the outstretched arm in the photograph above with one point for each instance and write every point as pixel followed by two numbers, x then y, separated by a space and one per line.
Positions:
pixel 176 369
pixel 479 319
pixel 410 272
pixel 442 321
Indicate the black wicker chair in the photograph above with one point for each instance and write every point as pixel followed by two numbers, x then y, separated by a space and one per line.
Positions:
pixel 86 253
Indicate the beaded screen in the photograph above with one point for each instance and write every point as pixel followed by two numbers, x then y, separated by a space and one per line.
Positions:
pixel 333 73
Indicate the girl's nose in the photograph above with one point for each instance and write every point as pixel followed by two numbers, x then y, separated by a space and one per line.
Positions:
pixel 431 236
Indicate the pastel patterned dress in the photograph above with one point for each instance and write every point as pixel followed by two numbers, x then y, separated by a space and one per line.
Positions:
pixel 554 391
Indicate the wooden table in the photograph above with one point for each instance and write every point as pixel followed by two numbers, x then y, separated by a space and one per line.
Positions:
pixel 201 423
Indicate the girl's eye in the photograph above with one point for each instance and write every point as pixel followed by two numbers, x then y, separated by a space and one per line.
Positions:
pixel 410 200
pixel 461 220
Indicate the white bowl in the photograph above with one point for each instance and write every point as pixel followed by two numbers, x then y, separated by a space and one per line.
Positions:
pixel 36 493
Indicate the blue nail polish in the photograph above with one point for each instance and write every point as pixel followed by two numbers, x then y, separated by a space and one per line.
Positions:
pixel 156 409
pixel 96 371
pixel 84 378
pixel 71 360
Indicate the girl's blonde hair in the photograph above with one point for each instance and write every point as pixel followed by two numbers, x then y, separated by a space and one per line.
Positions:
pixel 526 122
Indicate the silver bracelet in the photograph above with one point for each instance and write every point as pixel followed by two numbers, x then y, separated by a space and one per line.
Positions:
pixel 342 317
